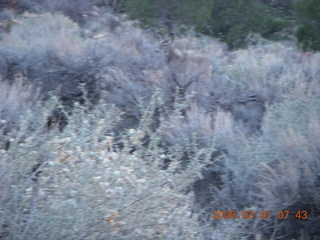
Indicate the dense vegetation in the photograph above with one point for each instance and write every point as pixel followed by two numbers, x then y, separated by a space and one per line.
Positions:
pixel 108 131
pixel 233 20
pixel 308 34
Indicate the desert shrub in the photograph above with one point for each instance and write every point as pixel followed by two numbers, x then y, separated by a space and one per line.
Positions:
pixel 241 81
pixel 291 183
pixel 262 74
pixel 274 171
pixel 271 69
pixel 33 36
pixel 294 113
pixel 49 50
pixel 267 71
pixel 64 55
pixel 290 177
pixel 78 184
pixel 14 99
pixel 53 52
pixel 71 8
pixel 195 124
pixel 228 184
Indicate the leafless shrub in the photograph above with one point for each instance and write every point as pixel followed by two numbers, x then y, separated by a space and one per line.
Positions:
pixel 275 171
pixel 81 171
pixel 15 97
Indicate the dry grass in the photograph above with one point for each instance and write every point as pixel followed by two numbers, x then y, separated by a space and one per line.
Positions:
pixel 16 96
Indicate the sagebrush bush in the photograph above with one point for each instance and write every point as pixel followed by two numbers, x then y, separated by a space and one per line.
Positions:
pixel 70 8
pixel 65 55
pixel 274 171
pixel 15 97
pixel 79 184
pixel 51 51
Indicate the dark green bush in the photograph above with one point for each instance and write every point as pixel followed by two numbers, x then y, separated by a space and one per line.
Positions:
pixel 308 37
pixel 170 13
pixel 308 14
pixel 233 21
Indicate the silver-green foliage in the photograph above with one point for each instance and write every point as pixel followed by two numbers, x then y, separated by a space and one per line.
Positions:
pixel 79 184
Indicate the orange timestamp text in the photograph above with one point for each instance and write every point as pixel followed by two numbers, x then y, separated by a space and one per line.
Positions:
pixel 283 214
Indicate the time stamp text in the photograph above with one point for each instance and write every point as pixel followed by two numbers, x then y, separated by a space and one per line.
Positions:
pixel 303 215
